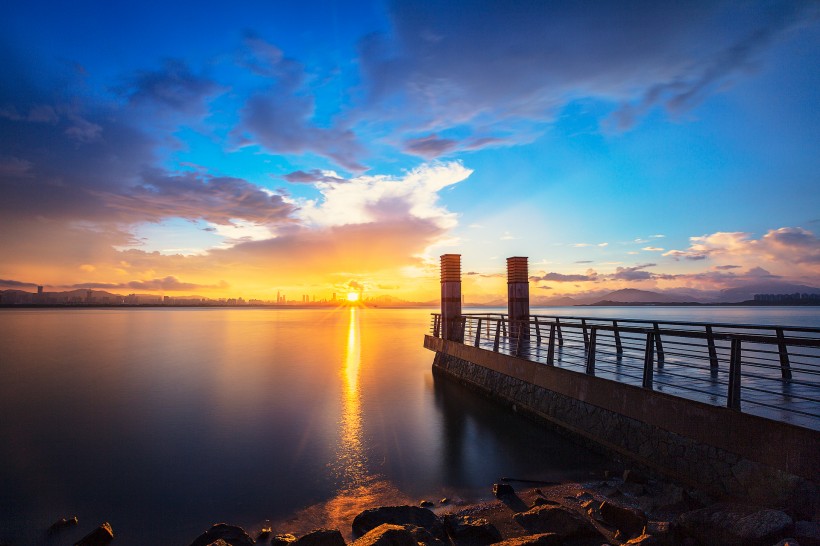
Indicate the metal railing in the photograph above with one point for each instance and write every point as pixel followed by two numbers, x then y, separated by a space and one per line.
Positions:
pixel 772 371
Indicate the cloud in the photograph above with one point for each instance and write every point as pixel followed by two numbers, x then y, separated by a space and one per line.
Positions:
pixel 16 284
pixel 312 176
pixel 560 277
pixel 726 267
pixel 635 273
pixel 448 66
pixel 166 284
pixel 653 249
pixel 430 146
pixel 174 86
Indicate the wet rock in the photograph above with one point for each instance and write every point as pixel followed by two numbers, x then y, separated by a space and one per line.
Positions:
pixel 425 503
pixel 100 536
pixel 542 539
pixel 422 536
pixel 387 535
pixel 629 521
pixel 233 535
pixel 735 524
pixel 807 533
pixel 470 531
pixel 282 539
pixel 501 489
pixel 398 515
pixel 554 519
pixel 445 500
pixel 541 501
pixel 321 537
pixel 62 523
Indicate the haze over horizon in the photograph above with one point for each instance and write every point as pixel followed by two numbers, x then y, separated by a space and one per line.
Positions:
pixel 331 146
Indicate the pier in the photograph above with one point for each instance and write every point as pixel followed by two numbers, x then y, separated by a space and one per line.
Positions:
pixel 731 408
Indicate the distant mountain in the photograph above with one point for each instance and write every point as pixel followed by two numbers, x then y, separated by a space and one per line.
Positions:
pixel 633 295
pixel 554 301
pixel 746 293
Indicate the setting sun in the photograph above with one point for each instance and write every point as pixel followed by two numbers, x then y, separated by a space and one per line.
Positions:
pixel 352 296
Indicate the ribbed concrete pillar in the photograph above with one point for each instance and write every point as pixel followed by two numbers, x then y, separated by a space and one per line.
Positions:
pixel 518 297
pixel 451 297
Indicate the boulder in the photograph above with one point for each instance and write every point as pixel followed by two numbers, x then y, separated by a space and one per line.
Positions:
pixel 629 521
pixel 62 523
pixel 321 537
pixel 807 533
pixel 643 540
pixel 541 539
pixel 541 501
pixel 470 531
pixel 100 536
pixel 426 503
pixel 788 542
pixel 398 515
pixel 219 542
pixel 501 489
pixel 732 524
pixel 387 534
pixel 630 476
pixel 554 519
pixel 233 535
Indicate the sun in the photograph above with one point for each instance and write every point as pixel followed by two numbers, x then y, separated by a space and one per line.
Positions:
pixel 352 296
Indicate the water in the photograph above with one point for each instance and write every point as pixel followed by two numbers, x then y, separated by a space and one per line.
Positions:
pixel 164 421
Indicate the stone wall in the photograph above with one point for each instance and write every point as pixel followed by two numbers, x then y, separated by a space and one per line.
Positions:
pixel 715 469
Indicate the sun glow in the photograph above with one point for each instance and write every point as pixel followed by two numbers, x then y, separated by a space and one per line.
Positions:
pixel 352 296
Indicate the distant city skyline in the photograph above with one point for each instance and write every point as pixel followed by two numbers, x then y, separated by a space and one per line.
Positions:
pixel 341 147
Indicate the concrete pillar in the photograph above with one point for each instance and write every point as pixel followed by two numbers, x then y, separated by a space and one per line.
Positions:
pixel 518 298
pixel 451 297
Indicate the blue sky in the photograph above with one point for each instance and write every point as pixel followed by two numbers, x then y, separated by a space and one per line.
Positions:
pixel 313 146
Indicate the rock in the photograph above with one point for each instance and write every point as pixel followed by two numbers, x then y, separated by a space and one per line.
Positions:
pixel 629 521
pixel 426 504
pixel 735 524
pixel 584 496
pixel 554 519
pixel 470 531
pixel 219 542
pixel 644 540
pixel 445 500
pixel 398 515
pixel 100 536
pixel 387 535
pixel 788 542
pixel 542 539
pixel 541 501
pixel 62 523
pixel 501 489
pixel 321 537
pixel 807 533
pixel 630 476
pixel 422 536
pixel 632 489
pixel 233 535
pixel 282 539
pixel 264 533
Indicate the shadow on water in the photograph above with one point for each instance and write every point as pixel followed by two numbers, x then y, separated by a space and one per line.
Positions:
pixel 484 441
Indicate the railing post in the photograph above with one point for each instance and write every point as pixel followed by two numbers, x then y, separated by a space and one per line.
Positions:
pixel 436 325
pixel 537 331
pixel 710 340
pixel 733 396
pixel 591 352
pixel 618 347
pixel 659 345
pixel 478 333
pixel 785 367
pixel 551 348
pixel 648 357
pixel 558 329
pixel 497 335
pixel 586 337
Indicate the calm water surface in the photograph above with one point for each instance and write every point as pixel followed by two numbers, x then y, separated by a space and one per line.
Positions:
pixel 164 421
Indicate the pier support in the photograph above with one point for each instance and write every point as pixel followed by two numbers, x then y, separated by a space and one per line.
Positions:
pixel 451 322
pixel 518 301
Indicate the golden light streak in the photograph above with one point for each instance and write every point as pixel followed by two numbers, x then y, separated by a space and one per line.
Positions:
pixel 351 460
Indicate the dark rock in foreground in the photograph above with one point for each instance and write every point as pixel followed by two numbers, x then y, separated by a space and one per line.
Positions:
pixel 321 537
pixel 542 539
pixel 728 524
pixel 398 515
pixel 629 521
pixel 62 523
pixel 501 489
pixel 100 536
pixel 231 534
pixel 470 531
pixel 554 519
pixel 387 535
pixel 282 539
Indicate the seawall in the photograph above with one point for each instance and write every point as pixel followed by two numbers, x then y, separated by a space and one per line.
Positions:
pixel 721 451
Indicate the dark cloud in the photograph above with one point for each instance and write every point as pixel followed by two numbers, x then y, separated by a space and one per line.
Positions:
pixel 168 284
pixel 583 262
pixel 727 267
pixel 16 284
pixel 311 177
pixel 635 273
pixel 429 146
pixel 192 196
pixel 492 63
pixel 560 277
pixel 174 86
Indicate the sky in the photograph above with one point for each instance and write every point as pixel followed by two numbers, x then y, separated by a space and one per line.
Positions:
pixel 244 149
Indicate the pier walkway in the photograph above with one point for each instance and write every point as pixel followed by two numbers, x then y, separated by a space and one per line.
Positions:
pixel 769 371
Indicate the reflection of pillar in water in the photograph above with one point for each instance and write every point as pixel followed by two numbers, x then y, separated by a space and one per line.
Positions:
pixel 518 298
pixel 451 297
